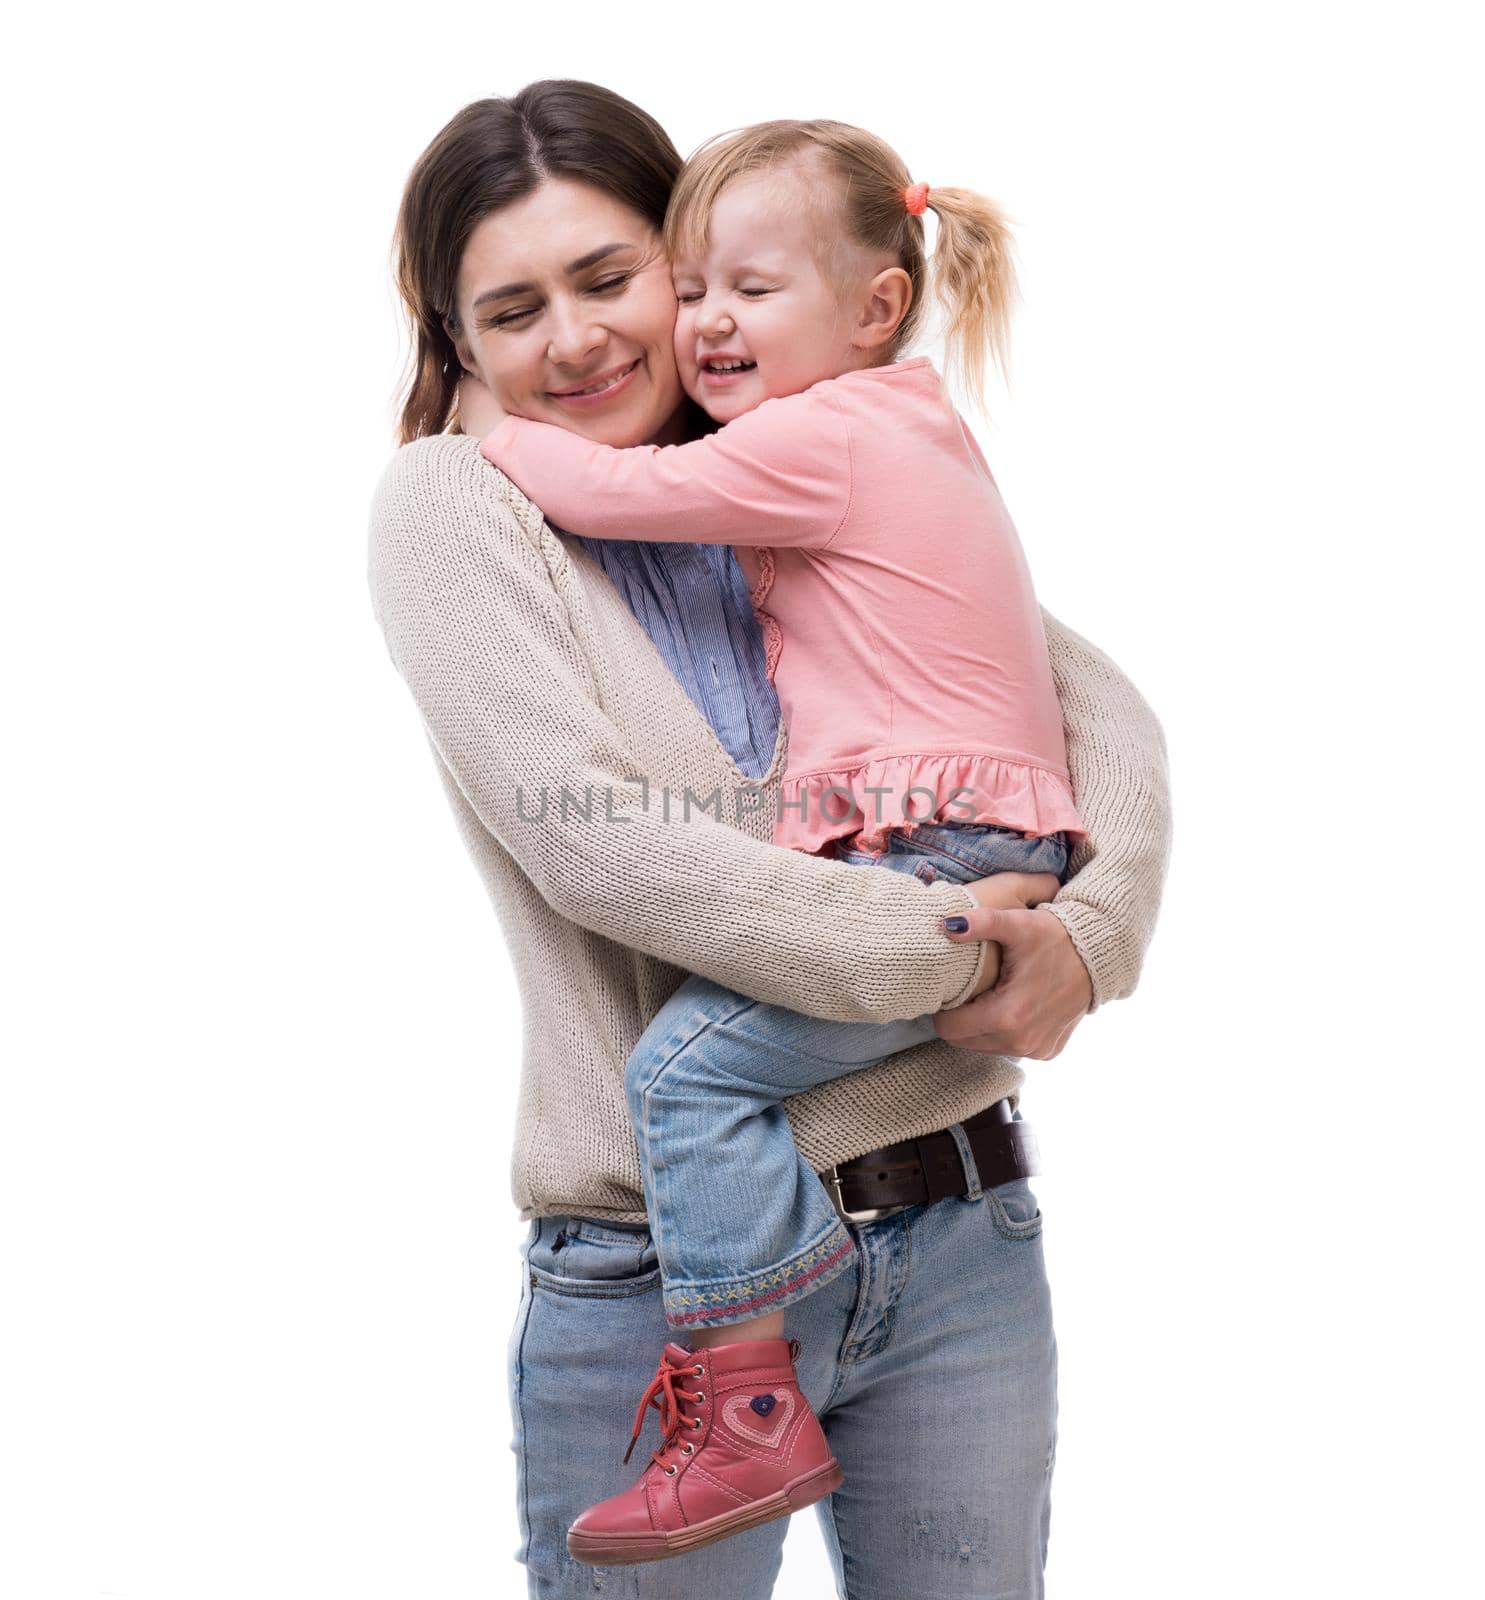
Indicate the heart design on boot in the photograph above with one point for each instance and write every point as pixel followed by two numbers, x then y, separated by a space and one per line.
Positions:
pixel 742 1406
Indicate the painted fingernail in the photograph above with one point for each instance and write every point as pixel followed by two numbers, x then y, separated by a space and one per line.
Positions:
pixel 956 924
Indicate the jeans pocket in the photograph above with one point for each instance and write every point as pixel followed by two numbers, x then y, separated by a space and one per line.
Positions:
pixel 592 1260
pixel 1014 1210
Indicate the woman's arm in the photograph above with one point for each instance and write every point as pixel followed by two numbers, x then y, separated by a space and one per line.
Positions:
pixel 1054 970
pixel 477 627
pixel 778 475
pixel 1116 755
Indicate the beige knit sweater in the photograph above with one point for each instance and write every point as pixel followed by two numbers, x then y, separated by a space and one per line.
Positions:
pixel 622 847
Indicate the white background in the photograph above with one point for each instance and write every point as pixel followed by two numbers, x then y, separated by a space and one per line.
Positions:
pixel 259 1255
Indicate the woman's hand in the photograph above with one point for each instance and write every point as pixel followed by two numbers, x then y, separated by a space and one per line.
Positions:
pixel 1041 988
pixel 479 411
pixel 1007 891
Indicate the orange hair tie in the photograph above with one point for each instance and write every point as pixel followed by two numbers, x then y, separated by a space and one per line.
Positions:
pixel 916 195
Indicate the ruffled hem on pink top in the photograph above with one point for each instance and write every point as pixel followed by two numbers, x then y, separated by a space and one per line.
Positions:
pixel 819 807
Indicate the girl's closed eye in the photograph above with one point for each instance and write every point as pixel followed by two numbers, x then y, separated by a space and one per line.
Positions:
pixel 688 296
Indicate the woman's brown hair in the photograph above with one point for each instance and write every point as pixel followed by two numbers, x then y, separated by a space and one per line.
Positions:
pixel 492 153
pixel 974 276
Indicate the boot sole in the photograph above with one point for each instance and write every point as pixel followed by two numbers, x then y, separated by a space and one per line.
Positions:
pixel 623 1549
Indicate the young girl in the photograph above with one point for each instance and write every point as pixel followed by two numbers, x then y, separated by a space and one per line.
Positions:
pixel 924 735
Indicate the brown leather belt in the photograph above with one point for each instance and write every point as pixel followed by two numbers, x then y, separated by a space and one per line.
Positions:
pixel 920 1171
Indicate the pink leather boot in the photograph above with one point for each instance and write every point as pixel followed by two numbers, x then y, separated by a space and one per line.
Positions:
pixel 741 1446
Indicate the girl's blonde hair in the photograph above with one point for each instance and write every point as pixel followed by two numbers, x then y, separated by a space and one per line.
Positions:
pixel 973 274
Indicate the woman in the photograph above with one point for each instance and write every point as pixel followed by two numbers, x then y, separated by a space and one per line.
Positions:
pixel 604 727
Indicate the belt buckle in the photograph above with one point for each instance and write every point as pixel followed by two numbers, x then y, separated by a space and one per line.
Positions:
pixel 834 1189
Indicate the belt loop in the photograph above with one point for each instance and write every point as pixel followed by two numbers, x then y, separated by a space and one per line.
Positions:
pixel 972 1190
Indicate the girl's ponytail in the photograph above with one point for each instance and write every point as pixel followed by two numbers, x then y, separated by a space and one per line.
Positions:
pixel 974 281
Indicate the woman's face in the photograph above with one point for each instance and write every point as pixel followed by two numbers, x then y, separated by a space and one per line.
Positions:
pixel 567 312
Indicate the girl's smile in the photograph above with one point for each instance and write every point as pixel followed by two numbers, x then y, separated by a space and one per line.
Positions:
pixel 716 372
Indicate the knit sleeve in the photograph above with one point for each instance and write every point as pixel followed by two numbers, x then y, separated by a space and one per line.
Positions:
pixel 476 625
pixel 779 475
pixel 1116 755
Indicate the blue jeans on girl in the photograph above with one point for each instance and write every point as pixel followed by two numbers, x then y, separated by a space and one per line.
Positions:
pixel 742 1225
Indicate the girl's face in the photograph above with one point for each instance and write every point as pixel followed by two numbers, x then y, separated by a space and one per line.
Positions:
pixel 758 314
pixel 566 311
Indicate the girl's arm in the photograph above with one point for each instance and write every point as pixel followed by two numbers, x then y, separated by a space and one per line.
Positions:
pixel 778 475
pixel 1116 756
pixel 478 628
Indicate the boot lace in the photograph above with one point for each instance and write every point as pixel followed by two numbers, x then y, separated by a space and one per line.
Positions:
pixel 666 1394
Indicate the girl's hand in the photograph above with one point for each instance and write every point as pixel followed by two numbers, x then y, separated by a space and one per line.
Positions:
pixel 479 411
pixel 1041 989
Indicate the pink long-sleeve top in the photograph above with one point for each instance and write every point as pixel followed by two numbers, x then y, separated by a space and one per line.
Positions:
pixel 902 633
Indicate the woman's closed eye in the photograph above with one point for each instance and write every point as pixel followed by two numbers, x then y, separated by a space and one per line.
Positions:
pixel 509 319
pixel 612 284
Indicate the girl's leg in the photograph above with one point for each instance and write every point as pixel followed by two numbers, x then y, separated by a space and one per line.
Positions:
pixel 741 1221
pixel 742 1226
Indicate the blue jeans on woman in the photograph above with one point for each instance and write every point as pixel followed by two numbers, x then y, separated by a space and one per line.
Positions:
pixel 931 1364
pixel 741 1223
